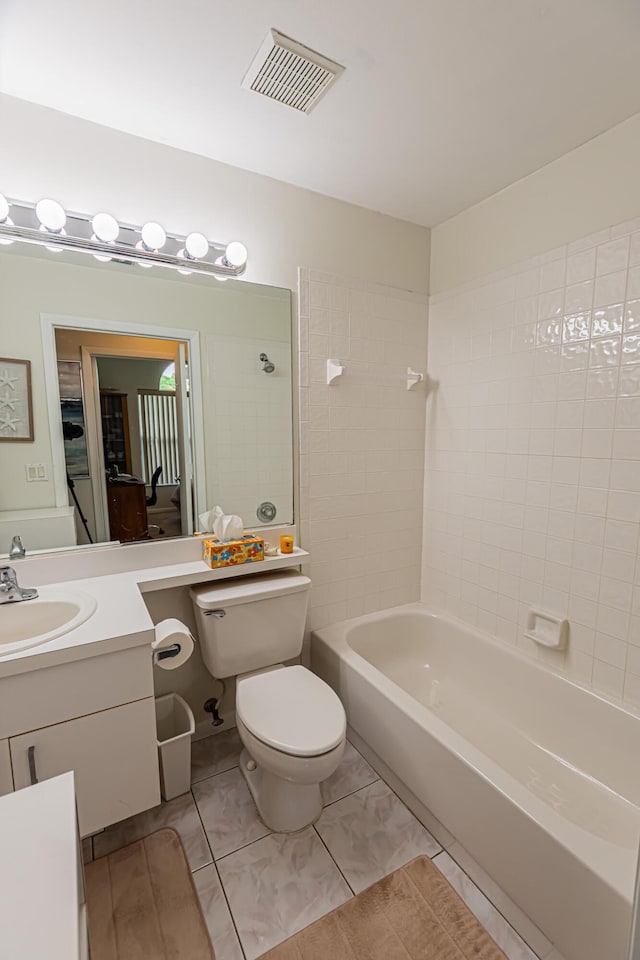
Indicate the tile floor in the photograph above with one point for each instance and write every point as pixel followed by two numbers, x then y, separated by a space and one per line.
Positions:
pixel 257 888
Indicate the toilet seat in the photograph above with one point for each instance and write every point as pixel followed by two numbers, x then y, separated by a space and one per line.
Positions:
pixel 291 710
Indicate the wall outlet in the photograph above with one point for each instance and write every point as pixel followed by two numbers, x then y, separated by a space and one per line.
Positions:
pixel 36 472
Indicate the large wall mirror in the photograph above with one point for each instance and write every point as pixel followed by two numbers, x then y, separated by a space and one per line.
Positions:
pixel 148 397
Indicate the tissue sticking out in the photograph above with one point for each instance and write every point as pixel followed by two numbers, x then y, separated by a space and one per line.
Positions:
pixel 224 526
pixel 267 365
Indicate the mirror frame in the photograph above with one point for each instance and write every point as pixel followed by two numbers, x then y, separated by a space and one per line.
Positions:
pixel 49 323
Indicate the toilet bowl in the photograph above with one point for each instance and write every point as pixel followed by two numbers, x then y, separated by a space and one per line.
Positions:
pixel 293 727
pixel 291 723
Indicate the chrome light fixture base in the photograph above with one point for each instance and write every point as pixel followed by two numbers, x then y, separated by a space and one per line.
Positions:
pixel 23 226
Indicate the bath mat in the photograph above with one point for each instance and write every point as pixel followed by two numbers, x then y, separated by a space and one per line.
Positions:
pixel 142 904
pixel 413 914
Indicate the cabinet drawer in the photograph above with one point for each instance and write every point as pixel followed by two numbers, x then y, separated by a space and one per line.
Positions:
pixel 113 755
pixel 39 698
pixel 6 777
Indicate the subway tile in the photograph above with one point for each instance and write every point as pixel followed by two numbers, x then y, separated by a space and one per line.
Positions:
pixel 632 316
pixel 629 381
pixel 607 321
pixel 633 284
pixel 630 348
pixel 610 289
pixel 605 352
pixel 581 266
pixel 579 297
pixel 608 679
pixel 613 256
pixel 552 275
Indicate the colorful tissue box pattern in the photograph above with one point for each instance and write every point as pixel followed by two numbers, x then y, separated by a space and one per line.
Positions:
pixel 229 553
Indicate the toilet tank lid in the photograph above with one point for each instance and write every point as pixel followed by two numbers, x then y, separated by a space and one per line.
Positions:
pixel 245 590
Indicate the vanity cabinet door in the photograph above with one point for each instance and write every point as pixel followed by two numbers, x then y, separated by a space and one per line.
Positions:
pixel 6 778
pixel 114 757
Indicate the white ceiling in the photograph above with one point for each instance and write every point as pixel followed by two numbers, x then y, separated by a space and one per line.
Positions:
pixel 443 102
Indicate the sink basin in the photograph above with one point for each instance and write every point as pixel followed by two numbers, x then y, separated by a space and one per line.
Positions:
pixel 30 623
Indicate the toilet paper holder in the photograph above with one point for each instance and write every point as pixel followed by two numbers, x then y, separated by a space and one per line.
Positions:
pixel 166 653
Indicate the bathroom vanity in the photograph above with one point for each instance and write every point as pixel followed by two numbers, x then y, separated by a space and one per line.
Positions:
pixel 87 708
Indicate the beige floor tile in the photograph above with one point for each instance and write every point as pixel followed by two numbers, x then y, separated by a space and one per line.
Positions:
pixel 215 754
pixel 216 914
pixel 353 773
pixel 228 812
pixel 278 885
pixel 371 833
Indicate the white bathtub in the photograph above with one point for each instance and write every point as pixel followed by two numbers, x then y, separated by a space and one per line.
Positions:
pixel 537 777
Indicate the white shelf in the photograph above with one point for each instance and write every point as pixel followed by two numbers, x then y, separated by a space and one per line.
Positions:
pixel 160 578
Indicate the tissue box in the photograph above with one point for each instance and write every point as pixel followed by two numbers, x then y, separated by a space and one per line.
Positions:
pixel 229 553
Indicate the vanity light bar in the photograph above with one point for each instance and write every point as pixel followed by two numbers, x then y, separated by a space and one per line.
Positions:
pixel 47 224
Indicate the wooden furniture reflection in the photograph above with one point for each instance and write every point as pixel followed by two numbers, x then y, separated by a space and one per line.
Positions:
pixel 127 511
pixel 115 430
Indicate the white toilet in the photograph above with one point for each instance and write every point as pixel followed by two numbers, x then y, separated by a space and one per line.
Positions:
pixel 291 723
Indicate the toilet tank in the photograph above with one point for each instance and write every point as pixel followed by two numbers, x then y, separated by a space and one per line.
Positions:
pixel 252 622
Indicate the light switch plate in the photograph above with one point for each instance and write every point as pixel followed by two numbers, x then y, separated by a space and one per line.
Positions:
pixel 36 472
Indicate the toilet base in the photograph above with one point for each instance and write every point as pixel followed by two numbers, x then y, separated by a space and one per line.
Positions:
pixel 283 806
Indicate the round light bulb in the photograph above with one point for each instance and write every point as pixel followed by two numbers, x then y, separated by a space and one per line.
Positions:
pixel 153 236
pixel 51 215
pixel 5 218
pixel 236 254
pixel 105 227
pixel 196 246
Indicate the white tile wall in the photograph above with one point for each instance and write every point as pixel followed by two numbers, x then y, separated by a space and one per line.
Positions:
pixel 533 447
pixel 361 444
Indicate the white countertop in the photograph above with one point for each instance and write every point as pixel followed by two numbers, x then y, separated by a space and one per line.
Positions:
pixel 39 881
pixel 121 618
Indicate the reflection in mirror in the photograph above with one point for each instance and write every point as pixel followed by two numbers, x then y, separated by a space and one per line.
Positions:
pixel 139 488
pixel 152 401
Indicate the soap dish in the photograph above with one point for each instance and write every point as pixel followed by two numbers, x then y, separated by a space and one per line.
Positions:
pixel 547 630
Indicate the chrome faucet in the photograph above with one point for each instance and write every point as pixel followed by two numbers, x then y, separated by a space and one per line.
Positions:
pixel 17 550
pixel 10 592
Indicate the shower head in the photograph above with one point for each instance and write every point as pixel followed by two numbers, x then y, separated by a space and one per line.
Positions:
pixel 267 365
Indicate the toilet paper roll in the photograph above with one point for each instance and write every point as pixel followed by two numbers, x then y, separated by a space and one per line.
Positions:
pixel 169 632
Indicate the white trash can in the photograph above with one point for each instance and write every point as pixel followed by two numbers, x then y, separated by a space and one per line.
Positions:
pixel 175 725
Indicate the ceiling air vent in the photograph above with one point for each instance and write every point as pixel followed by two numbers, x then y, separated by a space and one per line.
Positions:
pixel 287 71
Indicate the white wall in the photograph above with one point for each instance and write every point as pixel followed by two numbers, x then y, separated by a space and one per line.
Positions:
pixel 361 445
pixel 87 167
pixel 533 453
pixel 584 191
